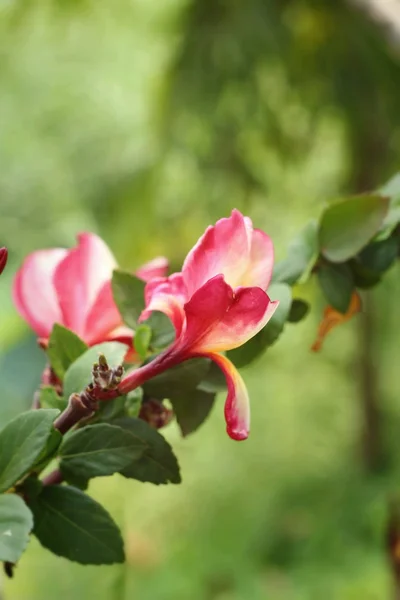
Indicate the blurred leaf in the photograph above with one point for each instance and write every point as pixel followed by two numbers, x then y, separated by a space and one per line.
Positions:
pixel 302 254
pixel 142 339
pixel 16 523
pixel 128 293
pixel 71 524
pixel 158 463
pixel 363 277
pixel 252 349
pixel 63 349
pixel 21 442
pixel 191 411
pixel 79 374
pixel 298 310
pixel 98 450
pixel 379 256
pixel 348 225
pixel 162 330
pixel 179 380
pixel 133 402
pixel 332 318
pixel 214 380
pixel 50 399
pixel 337 284
pixel 392 219
pixel 112 409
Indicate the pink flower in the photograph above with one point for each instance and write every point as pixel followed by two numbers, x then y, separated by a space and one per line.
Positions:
pixel 3 258
pixel 216 303
pixel 73 288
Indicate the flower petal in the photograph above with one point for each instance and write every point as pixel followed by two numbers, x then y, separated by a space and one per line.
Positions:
pixel 79 278
pixel 259 271
pixel 226 320
pixel 34 294
pixel 168 295
pixel 223 249
pixel 237 405
pixel 157 267
pixel 103 317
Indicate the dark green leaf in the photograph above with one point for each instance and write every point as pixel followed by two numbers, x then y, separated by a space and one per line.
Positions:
pixel 298 311
pixel 158 464
pixel 50 399
pixel 128 293
pixel 162 330
pixel 98 450
pixel 49 451
pixel 363 277
pixel 142 340
pixel 302 254
pixel 21 442
pixel 63 349
pixel 192 410
pixel 245 354
pixel 79 374
pixel 348 225
pixel 179 380
pixel 133 402
pixel 214 380
pixel 16 523
pixel 71 524
pixel 337 284
pixel 379 256
pixel 112 409
pixel 392 219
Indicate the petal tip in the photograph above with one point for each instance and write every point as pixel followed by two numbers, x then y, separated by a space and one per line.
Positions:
pixel 239 435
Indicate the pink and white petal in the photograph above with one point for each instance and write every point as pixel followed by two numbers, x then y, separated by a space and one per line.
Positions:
pixel 103 317
pixel 237 404
pixel 173 285
pixel 170 306
pixel 249 311
pixel 34 294
pixel 259 271
pixel 204 311
pixel 223 249
pixel 124 335
pixel 79 278
pixel 158 267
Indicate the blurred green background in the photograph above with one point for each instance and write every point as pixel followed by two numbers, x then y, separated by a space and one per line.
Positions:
pixel 146 121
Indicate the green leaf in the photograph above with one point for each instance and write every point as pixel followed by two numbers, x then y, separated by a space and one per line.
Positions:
pixel 128 293
pixel 298 310
pixel 214 380
pixel 21 442
pixel 302 255
pixel 363 277
pixel 179 380
pixel 79 374
pixel 348 225
pixel 63 349
pixel 245 354
pixel 162 330
pixel 192 410
pixel 98 450
pixel 142 340
pixel 392 219
pixel 337 284
pixel 112 409
pixel 49 451
pixel 379 256
pixel 158 463
pixel 50 399
pixel 71 524
pixel 133 402
pixel 16 523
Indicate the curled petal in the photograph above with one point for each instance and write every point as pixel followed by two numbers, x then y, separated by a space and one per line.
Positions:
pixel 237 405
pixel 157 267
pixel 168 295
pixel 34 294
pixel 103 317
pixel 79 278
pixel 259 271
pixel 219 319
pixel 332 318
pixel 223 249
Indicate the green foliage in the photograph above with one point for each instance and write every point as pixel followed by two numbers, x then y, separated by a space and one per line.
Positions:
pixel 244 355
pixel 162 330
pixel 63 349
pixel 348 225
pixel 299 309
pixel 49 451
pixel 192 409
pixel 302 254
pixel 50 399
pixel 128 293
pixel 180 380
pixel 392 219
pixel 98 450
pixel 78 376
pixel 158 463
pixel 337 285
pixel 16 523
pixel 133 402
pixel 71 524
pixel 142 340
pixel 21 443
pixel 379 256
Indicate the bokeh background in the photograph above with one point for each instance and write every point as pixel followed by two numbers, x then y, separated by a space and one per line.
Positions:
pixel 146 121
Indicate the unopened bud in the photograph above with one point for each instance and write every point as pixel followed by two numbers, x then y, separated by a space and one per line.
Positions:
pixel 3 258
pixel 155 413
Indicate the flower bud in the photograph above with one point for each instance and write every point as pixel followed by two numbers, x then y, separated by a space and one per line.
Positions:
pixel 3 258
